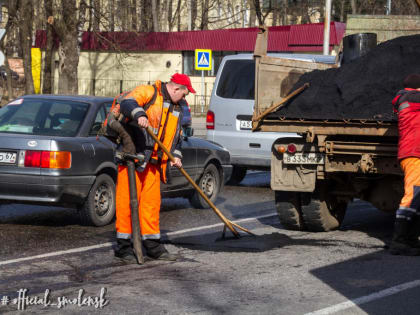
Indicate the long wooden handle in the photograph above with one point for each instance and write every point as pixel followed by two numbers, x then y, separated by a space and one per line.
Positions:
pixel 284 100
pixel 192 182
pixel 134 206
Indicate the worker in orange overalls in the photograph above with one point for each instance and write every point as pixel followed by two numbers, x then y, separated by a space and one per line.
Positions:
pixel 155 106
pixel 406 103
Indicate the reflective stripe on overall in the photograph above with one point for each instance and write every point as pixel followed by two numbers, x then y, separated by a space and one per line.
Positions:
pixel 410 203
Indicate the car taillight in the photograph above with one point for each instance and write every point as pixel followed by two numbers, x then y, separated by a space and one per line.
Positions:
pixel 33 159
pixel 210 120
pixel 291 148
pixel 47 159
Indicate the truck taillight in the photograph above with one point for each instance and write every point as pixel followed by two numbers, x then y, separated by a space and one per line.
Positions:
pixel 210 120
pixel 47 159
pixel 281 149
pixel 291 148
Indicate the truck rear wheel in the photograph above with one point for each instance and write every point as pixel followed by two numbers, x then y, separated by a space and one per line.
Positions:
pixel 325 214
pixel 288 205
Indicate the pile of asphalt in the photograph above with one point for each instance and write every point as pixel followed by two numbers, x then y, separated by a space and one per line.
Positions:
pixel 360 90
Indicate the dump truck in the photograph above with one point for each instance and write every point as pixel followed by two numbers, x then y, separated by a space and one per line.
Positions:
pixel 335 161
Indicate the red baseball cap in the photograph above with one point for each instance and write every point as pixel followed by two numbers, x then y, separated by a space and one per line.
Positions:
pixel 182 79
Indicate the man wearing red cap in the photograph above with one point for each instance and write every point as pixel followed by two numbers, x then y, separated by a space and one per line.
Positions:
pixel 155 106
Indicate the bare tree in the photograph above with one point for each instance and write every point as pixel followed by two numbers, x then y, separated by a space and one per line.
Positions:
pixel 204 14
pixel 146 16
pixel 47 77
pixel 133 15
pixel 155 14
pixel 173 17
pixel 12 8
pixel 25 16
pixel 67 26
pixel 95 11
pixel 252 16
pixel 178 17
pixel 261 16
pixel 111 15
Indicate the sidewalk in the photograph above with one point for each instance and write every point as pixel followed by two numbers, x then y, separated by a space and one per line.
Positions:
pixel 199 125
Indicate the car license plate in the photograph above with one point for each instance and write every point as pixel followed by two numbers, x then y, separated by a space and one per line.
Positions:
pixel 8 157
pixel 245 124
pixel 303 158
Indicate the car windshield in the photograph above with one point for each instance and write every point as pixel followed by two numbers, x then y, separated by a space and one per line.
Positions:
pixel 45 117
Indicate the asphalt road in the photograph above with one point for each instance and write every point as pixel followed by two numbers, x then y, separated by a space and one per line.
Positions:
pixel 46 252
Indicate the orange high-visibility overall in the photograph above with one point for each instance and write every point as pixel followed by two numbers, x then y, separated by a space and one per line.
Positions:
pixel 410 203
pixel 165 124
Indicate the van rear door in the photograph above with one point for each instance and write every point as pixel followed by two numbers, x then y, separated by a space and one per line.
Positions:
pixel 232 103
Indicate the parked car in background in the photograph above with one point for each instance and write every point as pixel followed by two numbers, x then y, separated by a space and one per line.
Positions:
pixel 3 73
pixel 186 113
pixel 50 154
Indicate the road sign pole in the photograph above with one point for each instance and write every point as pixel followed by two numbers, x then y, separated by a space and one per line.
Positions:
pixel 202 91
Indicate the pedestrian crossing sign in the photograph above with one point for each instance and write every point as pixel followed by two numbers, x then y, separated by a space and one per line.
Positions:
pixel 202 59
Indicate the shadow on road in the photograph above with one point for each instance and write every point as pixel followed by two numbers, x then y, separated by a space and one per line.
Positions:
pixel 247 243
pixel 370 274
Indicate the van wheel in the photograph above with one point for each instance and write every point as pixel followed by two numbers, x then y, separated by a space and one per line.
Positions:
pixel 238 174
pixel 289 209
pixel 210 184
pixel 99 206
pixel 325 214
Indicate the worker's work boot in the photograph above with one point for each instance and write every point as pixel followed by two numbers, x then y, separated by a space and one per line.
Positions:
pixel 124 250
pixel 414 232
pixel 400 244
pixel 155 250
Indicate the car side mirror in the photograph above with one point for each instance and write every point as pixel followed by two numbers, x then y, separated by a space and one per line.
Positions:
pixel 187 131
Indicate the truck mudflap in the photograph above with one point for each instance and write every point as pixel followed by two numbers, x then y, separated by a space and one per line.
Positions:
pixel 292 176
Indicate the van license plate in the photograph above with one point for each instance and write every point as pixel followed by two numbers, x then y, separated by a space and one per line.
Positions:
pixel 303 158
pixel 245 124
pixel 7 157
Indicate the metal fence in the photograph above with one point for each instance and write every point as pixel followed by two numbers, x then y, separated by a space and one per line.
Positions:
pixel 112 88
pixel 199 108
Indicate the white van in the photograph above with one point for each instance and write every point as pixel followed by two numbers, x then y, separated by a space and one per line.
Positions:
pixel 230 111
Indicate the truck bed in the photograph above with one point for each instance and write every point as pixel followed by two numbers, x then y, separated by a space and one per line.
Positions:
pixel 329 127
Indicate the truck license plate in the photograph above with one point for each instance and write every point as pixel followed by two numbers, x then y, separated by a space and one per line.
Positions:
pixel 7 157
pixel 303 158
pixel 245 124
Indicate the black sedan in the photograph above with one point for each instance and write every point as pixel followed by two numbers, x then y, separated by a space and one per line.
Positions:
pixel 50 154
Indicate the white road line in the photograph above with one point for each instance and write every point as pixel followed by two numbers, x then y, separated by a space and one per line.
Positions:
pixel 367 298
pixel 61 252
pixel 109 244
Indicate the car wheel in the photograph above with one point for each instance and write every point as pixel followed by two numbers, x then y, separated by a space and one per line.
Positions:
pixel 210 184
pixel 99 206
pixel 238 174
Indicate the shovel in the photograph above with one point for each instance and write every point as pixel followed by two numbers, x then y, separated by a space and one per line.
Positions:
pixel 227 222
pixel 273 107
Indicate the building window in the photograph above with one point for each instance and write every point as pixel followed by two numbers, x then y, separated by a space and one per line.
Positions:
pixel 188 63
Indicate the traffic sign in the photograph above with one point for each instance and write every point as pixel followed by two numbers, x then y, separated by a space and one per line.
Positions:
pixel 203 59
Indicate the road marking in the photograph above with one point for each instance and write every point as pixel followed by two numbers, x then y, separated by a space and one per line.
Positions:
pixel 109 244
pixel 367 298
pixel 61 252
